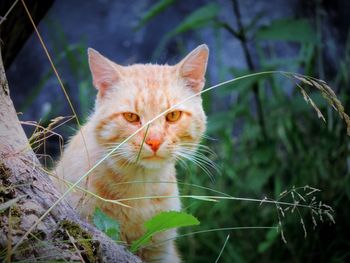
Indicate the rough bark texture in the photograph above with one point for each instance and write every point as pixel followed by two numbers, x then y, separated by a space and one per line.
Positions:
pixel 17 28
pixel 26 193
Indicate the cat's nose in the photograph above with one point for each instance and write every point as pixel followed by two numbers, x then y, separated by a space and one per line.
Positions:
pixel 154 144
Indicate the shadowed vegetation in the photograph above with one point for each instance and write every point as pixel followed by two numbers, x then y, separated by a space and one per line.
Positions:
pixel 265 140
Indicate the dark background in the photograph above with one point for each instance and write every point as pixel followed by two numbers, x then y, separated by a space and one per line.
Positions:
pixel 266 138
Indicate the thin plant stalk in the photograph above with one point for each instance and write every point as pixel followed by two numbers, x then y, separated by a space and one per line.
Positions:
pixel 222 249
pixel 141 128
pixel 212 230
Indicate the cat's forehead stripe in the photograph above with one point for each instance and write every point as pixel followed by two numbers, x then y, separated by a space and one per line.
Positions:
pixel 152 84
pixel 151 100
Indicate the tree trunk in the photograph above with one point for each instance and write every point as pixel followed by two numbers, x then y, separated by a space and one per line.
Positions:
pixel 26 192
pixel 16 28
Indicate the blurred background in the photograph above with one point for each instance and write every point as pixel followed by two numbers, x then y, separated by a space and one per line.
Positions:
pixel 265 137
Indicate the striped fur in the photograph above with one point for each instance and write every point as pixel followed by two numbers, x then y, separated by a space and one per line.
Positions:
pixel 146 90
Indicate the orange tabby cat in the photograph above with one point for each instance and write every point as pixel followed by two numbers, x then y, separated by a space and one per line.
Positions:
pixel 128 97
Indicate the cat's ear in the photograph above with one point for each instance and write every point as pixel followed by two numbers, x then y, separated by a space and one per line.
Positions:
pixel 193 67
pixel 104 72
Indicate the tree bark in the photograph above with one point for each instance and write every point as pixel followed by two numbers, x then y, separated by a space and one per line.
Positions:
pixel 16 28
pixel 26 192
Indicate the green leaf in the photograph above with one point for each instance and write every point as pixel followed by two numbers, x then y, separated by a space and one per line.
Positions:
pixel 270 238
pixel 106 224
pixel 154 11
pixel 197 19
pixel 288 30
pixel 242 85
pixel 162 222
pixel 85 96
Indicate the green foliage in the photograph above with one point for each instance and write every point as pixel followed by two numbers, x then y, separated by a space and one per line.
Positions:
pixel 270 238
pixel 67 58
pixel 162 222
pixel 199 18
pixel 106 224
pixel 299 149
pixel 297 30
pixel 195 20
pixel 154 11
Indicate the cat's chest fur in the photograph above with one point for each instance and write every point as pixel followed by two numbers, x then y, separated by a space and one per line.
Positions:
pixel 129 97
pixel 146 192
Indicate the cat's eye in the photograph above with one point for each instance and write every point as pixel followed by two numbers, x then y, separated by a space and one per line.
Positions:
pixel 131 117
pixel 173 116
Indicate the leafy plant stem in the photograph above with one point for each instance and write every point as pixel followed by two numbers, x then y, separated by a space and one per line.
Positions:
pixel 244 43
pixel 222 249
pixel 229 29
pixel 213 198
pixel 141 128
pixel 319 40
pixel 122 143
pixel 214 230
pixel 143 141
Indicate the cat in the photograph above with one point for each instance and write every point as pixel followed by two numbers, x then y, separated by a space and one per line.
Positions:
pixel 128 97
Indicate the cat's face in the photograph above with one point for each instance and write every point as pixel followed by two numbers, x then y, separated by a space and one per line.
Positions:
pixel 131 96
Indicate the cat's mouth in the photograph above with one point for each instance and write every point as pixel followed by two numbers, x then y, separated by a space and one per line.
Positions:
pixel 153 158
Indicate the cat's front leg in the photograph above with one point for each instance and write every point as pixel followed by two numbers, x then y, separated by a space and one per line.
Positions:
pixel 161 253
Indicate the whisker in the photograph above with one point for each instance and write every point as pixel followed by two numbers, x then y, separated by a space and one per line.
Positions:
pixel 181 162
pixel 131 159
pixel 205 160
pixel 200 148
pixel 197 146
pixel 199 153
pixel 205 136
pixel 197 162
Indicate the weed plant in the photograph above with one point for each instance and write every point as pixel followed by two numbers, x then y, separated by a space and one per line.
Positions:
pixel 260 149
